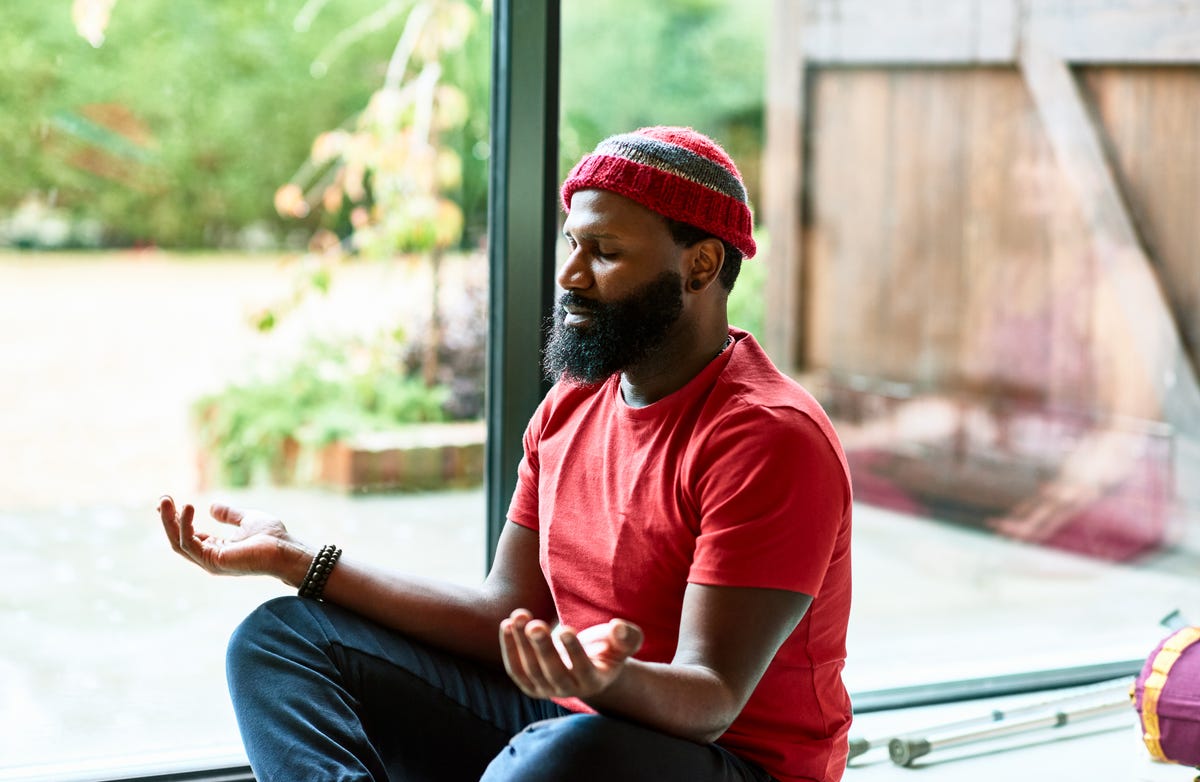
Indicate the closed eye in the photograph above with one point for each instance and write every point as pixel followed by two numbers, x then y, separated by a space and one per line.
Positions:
pixel 593 248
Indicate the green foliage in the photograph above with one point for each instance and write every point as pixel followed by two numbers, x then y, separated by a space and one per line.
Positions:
pixel 393 171
pixel 629 63
pixel 332 391
pixel 470 70
pixel 179 128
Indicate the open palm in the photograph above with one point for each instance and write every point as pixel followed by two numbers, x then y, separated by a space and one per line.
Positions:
pixel 251 547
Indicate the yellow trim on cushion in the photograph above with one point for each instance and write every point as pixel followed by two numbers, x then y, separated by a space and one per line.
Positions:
pixel 1167 656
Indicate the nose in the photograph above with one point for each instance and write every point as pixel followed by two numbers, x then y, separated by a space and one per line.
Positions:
pixel 573 274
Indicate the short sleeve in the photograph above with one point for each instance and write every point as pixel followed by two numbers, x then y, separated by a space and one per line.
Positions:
pixel 523 509
pixel 773 495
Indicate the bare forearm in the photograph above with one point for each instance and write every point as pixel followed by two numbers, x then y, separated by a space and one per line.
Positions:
pixel 687 701
pixel 728 637
pixel 458 618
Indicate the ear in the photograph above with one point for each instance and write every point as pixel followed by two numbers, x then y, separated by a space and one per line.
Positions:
pixel 705 259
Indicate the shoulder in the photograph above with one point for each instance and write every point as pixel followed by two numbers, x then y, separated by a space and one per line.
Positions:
pixel 752 388
pixel 562 402
pixel 757 411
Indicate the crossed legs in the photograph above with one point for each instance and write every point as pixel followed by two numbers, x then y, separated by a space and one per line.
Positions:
pixel 321 693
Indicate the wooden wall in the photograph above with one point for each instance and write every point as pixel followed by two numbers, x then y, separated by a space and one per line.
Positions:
pixel 944 248
pixel 958 206
pixel 1151 120
pixel 995 205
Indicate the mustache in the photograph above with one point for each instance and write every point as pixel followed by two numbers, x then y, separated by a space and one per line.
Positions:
pixel 575 301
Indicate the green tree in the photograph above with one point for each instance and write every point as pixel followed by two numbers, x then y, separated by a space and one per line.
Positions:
pixel 628 63
pixel 177 130
pixel 390 168
pixel 179 127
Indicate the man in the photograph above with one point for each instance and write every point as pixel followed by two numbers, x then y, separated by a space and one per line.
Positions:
pixel 670 596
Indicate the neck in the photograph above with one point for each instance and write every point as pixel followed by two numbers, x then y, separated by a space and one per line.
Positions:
pixel 670 367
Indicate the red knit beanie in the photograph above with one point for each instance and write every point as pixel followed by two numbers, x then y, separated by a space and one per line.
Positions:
pixel 677 172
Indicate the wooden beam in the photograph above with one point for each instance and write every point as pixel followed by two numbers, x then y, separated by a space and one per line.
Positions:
pixel 862 32
pixel 1117 31
pixel 981 32
pixel 1080 154
pixel 783 187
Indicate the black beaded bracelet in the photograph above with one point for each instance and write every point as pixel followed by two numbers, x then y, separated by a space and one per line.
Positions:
pixel 313 585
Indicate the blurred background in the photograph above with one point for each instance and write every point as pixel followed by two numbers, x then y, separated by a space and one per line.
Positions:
pixel 243 256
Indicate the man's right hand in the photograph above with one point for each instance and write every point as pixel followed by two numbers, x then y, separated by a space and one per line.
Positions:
pixel 258 544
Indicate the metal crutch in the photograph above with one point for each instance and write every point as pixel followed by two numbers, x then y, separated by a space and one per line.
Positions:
pixel 903 751
pixel 859 746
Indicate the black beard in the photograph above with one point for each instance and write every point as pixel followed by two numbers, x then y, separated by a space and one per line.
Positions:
pixel 621 334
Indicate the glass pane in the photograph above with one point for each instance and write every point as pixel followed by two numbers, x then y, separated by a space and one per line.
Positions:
pixel 1009 363
pixel 206 292
pixel 1000 391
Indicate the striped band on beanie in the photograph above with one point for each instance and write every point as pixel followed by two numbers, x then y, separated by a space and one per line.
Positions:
pixel 677 172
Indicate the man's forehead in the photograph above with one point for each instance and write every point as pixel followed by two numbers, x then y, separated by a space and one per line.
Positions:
pixel 601 212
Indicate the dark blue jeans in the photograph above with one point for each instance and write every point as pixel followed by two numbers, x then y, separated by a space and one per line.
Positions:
pixel 324 694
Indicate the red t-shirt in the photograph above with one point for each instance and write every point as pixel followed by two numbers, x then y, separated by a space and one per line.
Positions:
pixel 736 479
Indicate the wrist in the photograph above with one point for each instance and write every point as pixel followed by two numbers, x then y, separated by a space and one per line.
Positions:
pixel 294 561
pixel 319 570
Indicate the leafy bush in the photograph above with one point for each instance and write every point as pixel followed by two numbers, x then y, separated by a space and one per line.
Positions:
pixel 678 62
pixel 454 355
pixel 179 128
pixel 331 392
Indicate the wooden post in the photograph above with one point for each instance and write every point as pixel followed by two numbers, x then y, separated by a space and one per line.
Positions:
pixel 783 187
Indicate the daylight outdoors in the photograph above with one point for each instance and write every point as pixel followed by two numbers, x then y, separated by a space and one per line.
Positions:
pixel 237 237
pixel 244 257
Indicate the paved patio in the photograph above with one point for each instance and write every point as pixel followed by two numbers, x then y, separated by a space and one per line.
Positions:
pixel 112 644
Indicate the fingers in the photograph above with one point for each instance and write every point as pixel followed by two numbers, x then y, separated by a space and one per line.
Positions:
pixel 510 651
pixel 177 526
pixel 627 637
pixel 582 666
pixel 226 514
pixel 166 512
pixel 180 529
pixel 561 663
pixel 548 666
pixel 187 532
pixel 531 658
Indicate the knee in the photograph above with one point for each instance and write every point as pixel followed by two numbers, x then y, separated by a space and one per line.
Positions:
pixel 562 748
pixel 268 629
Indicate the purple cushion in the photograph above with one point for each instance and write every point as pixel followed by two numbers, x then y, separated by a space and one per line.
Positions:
pixel 1169 705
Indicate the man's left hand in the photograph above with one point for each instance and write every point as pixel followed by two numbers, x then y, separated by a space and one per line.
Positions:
pixel 563 663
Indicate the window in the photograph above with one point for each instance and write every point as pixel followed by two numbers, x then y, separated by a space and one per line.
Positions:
pixel 974 265
pixel 925 268
pixel 1016 398
pixel 150 229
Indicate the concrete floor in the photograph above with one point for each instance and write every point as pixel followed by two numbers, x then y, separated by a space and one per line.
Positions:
pixel 114 646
